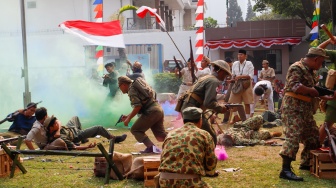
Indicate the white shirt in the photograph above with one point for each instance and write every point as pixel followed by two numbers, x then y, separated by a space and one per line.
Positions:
pixel 245 68
pixel 38 134
pixel 204 72
pixel 268 94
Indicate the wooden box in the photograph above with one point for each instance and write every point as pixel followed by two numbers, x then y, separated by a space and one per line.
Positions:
pixel 5 163
pixel 321 165
pixel 151 169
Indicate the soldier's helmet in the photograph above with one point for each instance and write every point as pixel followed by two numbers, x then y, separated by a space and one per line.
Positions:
pixel 222 65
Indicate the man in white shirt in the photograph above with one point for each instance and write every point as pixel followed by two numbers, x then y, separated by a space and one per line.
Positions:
pixel 242 70
pixel 263 87
pixel 205 64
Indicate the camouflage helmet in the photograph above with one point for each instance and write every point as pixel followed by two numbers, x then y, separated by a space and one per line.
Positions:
pixel 222 65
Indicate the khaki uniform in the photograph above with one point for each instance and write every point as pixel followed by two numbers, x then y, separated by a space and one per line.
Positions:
pixel 247 132
pixel 331 105
pixel 151 116
pixel 188 150
pixel 267 74
pixel 205 89
pixel 299 124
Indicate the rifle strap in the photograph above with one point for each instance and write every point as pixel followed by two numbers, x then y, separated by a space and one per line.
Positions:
pixel 195 96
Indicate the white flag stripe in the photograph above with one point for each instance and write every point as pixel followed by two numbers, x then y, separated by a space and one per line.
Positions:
pixel 100 61
pixel 113 41
pixel 314 30
pixel 141 13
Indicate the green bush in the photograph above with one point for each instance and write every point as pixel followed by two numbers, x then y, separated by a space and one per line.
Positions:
pixel 166 83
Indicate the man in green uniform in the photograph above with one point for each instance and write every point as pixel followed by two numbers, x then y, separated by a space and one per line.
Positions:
pixel 188 153
pixel 144 103
pixel 297 108
pixel 110 80
pixel 246 133
pixel 72 133
pixel 203 94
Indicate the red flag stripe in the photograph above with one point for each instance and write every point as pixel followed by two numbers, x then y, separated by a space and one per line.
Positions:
pixel 99 54
pixel 99 14
pixel 94 28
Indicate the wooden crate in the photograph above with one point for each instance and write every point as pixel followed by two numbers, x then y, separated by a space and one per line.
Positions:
pixel 5 163
pixel 151 169
pixel 321 165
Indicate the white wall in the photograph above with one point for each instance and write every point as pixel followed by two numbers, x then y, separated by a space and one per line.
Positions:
pixel 180 38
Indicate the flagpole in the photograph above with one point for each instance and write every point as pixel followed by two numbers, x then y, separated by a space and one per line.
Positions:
pixel 175 46
pixel 26 94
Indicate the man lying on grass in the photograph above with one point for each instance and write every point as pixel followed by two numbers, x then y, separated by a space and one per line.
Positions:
pixel 49 134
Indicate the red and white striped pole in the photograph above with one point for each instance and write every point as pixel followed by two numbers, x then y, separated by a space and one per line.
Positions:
pixel 199 34
pixel 99 49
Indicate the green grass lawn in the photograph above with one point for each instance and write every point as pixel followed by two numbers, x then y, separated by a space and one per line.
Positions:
pixel 260 168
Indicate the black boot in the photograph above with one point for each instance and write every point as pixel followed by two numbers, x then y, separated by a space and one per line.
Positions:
pixel 286 172
pixel 121 138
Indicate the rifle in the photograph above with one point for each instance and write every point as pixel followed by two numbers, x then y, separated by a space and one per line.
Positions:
pixel 11 139
pixel 178 67
pixel 11 116
pixel 324 91
pixel 240 110
pixel 326 30
pixel 119 120
pixel 192 62
pixel 332 143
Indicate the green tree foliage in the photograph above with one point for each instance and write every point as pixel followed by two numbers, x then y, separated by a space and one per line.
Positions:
pixel 210 23
pixel 166 83
pixel 250 13
pixel 296 8
pixel 269 16
pixel 234 13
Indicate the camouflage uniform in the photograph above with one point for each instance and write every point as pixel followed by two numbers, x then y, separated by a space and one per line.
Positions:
pixel 205 88
pixel 151 115
pixel 247 132
pixel 188 150
pixel 299 124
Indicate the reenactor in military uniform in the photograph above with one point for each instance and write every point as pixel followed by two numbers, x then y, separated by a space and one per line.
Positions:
pixel 246 133
pixel 144 103
pixel 297 108
pixel 110 80
pixel 330 108
pixel 203 94
pixel 188 154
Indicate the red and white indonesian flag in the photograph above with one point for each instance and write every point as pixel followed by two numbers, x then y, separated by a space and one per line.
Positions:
pixel 103 33
pixel 142 11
